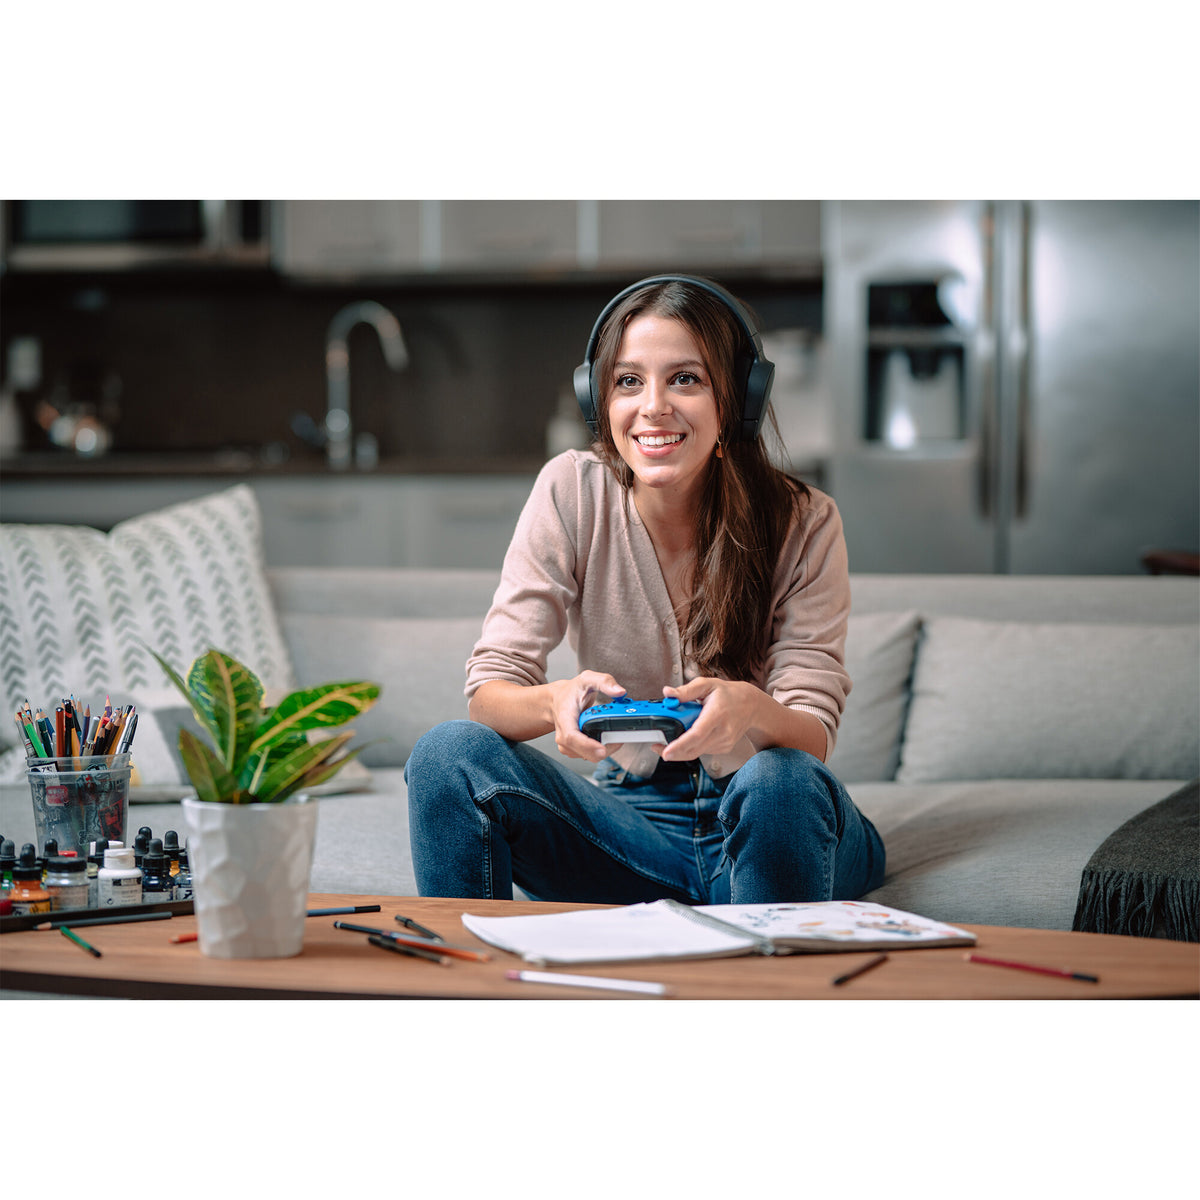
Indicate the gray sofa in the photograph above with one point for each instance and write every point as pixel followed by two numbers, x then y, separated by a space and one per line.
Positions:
pixel 1000 728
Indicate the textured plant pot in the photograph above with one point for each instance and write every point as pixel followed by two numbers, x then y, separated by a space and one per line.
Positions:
pixel 251 865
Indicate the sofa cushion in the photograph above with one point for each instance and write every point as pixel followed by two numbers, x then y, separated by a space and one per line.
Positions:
pixel 879 657
pixel 995 852
pixel 1002 699
pixel 420 665
pixel 79 609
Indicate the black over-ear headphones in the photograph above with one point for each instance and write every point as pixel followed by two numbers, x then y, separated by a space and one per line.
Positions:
pixel 754 371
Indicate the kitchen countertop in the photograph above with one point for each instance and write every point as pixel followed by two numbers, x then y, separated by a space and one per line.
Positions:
pixel 223 464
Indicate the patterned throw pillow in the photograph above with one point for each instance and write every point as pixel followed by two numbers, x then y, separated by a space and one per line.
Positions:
pixel 80 609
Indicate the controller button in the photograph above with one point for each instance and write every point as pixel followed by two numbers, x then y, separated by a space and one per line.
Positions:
pixel 671 702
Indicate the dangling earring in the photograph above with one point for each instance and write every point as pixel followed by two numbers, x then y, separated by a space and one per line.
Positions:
pixel 720 449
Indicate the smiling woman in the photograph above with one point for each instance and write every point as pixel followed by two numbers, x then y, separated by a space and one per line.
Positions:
pixel 680 563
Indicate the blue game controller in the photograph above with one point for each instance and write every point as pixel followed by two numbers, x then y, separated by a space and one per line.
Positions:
pixel 625 720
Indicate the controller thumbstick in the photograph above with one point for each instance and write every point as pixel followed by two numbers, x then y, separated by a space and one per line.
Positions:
pixel 671 702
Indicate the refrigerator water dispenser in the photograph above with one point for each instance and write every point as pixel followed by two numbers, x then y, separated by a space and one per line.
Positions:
pixel 915 365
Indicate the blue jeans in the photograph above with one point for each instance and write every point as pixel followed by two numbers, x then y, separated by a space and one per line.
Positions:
pixel 485 812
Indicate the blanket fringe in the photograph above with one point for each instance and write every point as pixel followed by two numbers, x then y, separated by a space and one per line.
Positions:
pixel 1139 905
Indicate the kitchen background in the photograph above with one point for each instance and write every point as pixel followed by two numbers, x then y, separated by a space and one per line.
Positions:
pixel 982 386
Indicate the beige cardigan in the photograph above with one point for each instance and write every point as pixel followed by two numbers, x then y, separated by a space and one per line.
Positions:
pixel 582 565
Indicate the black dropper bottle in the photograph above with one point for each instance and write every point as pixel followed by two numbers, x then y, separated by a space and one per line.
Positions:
pixel 156 876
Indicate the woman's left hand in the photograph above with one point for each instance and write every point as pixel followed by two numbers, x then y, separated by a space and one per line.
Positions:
pixel 731 710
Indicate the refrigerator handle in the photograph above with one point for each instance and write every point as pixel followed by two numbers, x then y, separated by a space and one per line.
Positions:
pixel 985 366
pixel 1021 362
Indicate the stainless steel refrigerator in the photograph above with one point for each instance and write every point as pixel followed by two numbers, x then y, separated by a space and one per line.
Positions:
pixel 1015 384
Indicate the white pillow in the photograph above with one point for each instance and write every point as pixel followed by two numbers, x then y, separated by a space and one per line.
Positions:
pixel 879 657
pixel 79 608
pixel 1009 699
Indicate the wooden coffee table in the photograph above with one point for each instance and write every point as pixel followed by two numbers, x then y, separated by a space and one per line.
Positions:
pixel 139 960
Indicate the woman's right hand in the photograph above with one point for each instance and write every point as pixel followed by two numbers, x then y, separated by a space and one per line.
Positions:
pixel 569 697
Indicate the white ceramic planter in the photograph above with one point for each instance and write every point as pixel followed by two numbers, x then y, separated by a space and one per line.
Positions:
pixel 251 865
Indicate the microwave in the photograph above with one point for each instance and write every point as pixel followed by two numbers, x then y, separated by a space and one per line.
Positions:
pixel 126 234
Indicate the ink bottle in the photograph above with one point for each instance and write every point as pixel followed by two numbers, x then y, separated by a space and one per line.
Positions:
pixel 171 850
pixel 66 882
pixel 95 862
pixel 8 860
pixel 182 884
pixel 156 875
pixel 120 882
pixel 28 895
pixel 50 851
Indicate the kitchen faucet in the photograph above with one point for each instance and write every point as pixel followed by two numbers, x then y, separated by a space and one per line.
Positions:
pixel 338 427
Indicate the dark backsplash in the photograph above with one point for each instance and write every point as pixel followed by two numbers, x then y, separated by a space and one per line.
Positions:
pixel 208 361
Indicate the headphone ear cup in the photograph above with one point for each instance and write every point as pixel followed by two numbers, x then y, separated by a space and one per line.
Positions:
pixel 583 396
pixel 758 392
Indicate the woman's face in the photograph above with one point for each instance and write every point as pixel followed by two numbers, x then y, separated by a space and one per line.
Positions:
pixel 662 410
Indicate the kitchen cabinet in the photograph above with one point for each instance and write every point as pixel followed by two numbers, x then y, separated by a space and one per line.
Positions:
pixel 352 521
pixel 366 238
pixel 683 234
pixel 351 237
pixel 508 233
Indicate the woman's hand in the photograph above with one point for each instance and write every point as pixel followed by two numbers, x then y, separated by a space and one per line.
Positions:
pixel 568 698
pixel 734 710
pixel 729 713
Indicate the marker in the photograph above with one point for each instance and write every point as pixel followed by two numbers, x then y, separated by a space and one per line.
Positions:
pixel 427 943
pixel 409 923
pixel 1060 972
pixel 113 920
pixel 388 943
pixel 337 912
pixel 184 937
pixel 590 981
pixel 861 969
pixel 78 941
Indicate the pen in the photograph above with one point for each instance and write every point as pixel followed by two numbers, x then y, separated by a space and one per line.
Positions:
pixel 334 912
pixel 404 939
pixel 388 943
pixel 115 919
pixel 409 923
pixel 1062 973
pixel 590 981
pixel 78 941
pixel 861 969
pixel 184 937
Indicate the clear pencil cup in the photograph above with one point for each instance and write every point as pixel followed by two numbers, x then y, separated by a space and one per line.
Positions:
pixel 80 800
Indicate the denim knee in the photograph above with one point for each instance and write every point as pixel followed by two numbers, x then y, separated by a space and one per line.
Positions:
pixel 770 783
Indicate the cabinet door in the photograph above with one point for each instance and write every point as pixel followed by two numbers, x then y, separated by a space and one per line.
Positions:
pixel 332 237
pixel 462 521
pixel 691 234
pixel 508 233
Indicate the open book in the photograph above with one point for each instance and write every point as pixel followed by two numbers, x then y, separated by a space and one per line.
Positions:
pixel 668 929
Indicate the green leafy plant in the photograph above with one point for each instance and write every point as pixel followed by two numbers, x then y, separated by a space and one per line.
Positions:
pixel 261 754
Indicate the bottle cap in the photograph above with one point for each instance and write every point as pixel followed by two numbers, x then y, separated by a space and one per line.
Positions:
pixel 72 866
pixel 51 848
pixel 28 855
pixel 154 861
pixel 170 843
pixel 118 857
pixel 8 853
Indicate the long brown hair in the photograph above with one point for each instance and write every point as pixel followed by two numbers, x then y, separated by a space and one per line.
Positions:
pixel 747 504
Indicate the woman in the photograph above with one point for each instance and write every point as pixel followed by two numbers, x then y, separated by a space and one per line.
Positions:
pixel 678 562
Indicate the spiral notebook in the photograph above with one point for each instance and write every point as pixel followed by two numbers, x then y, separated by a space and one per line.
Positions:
pixel 667 929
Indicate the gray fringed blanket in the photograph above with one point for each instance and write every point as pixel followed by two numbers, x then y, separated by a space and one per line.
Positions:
pixel 1144 879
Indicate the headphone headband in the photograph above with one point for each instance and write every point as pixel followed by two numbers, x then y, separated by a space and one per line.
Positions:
pixel 754 382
